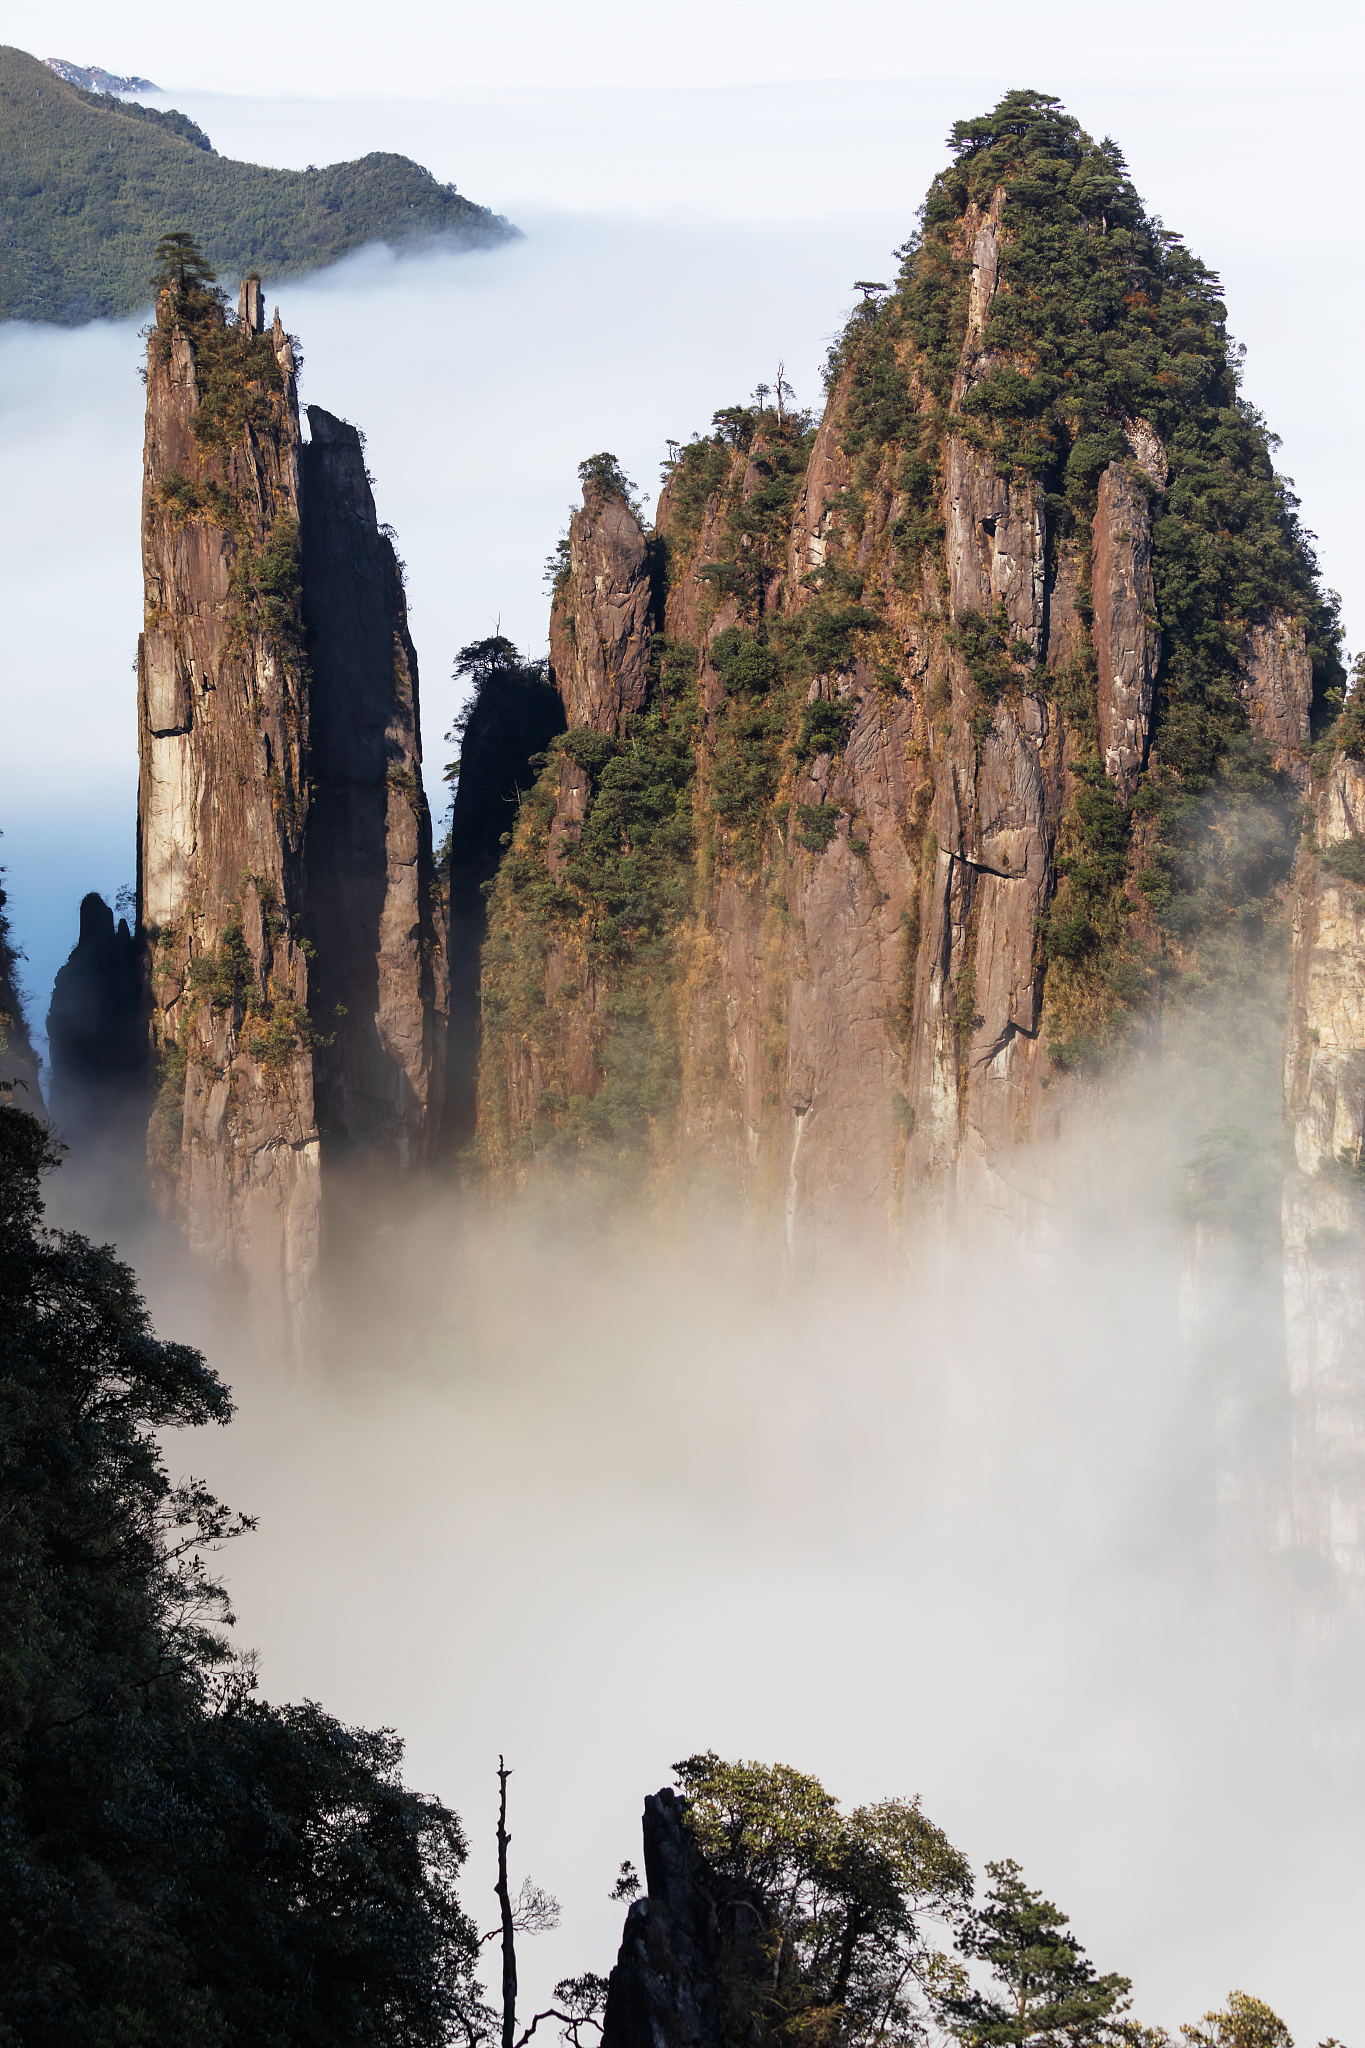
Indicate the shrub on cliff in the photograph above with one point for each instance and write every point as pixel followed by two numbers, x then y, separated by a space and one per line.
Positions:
pixel 179 1861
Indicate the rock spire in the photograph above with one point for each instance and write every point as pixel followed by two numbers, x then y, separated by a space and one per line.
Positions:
pixel 295 969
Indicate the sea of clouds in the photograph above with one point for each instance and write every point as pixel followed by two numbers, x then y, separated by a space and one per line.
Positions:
pixel 597 1504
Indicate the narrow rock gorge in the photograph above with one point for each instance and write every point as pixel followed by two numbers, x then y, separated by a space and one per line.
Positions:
pixel 285 878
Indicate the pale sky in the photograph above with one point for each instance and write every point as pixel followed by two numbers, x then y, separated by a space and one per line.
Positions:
pixel 419 49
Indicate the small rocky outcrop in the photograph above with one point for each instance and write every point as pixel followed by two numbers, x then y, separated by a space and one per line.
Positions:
pixel 663 1991
pixel 96 1030
pixel 599 624
pixel 1277 688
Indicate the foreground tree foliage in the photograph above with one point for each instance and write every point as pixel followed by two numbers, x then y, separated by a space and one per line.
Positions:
pixel 862 1930
pixel 179 1862
pixel 836 1942
pixel 1048 1989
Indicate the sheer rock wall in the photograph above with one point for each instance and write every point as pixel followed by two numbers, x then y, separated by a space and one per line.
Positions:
pixel 864 1028
pixel 1324 1201
pixel 245 736
pixel 381 973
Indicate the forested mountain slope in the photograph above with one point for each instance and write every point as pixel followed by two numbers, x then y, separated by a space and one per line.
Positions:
pixel 88 183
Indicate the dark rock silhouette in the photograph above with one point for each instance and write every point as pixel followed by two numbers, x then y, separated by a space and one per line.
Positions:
pixel 96 1031
pixel 18 1061
pixel 514 714
pixel 368 859
pixel 664 1991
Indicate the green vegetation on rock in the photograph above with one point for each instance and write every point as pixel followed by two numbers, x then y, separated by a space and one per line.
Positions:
pixel 1101 318
pixel 89 182
pixel 179 1860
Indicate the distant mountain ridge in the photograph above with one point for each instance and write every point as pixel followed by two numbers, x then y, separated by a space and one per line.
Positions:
pixel 88 181
pixel 94 78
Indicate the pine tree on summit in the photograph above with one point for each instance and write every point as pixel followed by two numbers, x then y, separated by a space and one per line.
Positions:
pixel 181 263
pixel 1049 1989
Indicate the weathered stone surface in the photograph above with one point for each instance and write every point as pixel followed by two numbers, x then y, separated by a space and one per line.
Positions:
pixel 223 806
pixel 1277 689
pixel 663 1990
pixel 1324 1201
pixel 826 475
pixel 381 971
pixel 983 233
pixel 599 626
pixel 996 551
pixel 284 859
pixel 1127 641
pixel 845 1079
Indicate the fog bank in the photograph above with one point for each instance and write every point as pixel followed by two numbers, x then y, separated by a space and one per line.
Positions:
pixel 597 1493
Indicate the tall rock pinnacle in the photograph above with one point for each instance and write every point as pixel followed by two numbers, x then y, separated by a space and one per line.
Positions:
pixel 277 779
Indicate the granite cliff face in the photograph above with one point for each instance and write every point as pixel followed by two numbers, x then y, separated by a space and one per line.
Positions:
pixel 1324 1197
pixel 511 718
pixel 900 784
pixel 278 779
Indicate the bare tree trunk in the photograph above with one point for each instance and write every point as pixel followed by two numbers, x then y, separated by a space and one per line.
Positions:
pixel 509 1950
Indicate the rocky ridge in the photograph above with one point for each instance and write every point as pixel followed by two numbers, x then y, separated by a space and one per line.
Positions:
pixel 892 799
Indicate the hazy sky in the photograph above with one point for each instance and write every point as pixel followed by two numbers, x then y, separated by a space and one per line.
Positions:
pixel 699 188
pixel 418 47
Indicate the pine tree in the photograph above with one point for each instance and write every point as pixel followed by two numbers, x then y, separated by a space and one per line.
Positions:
pixel 1049 1991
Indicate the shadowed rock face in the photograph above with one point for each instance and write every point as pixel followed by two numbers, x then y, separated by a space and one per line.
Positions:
pixel 380 972
pixel 278 798
pixel 96 1029
pixel 515 715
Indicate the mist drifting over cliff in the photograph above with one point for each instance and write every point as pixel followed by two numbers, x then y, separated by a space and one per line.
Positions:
pixel 994 1527
pixel 594 1491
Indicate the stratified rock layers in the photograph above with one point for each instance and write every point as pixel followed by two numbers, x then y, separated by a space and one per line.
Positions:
pixel 1324 1198
pixel 246 733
